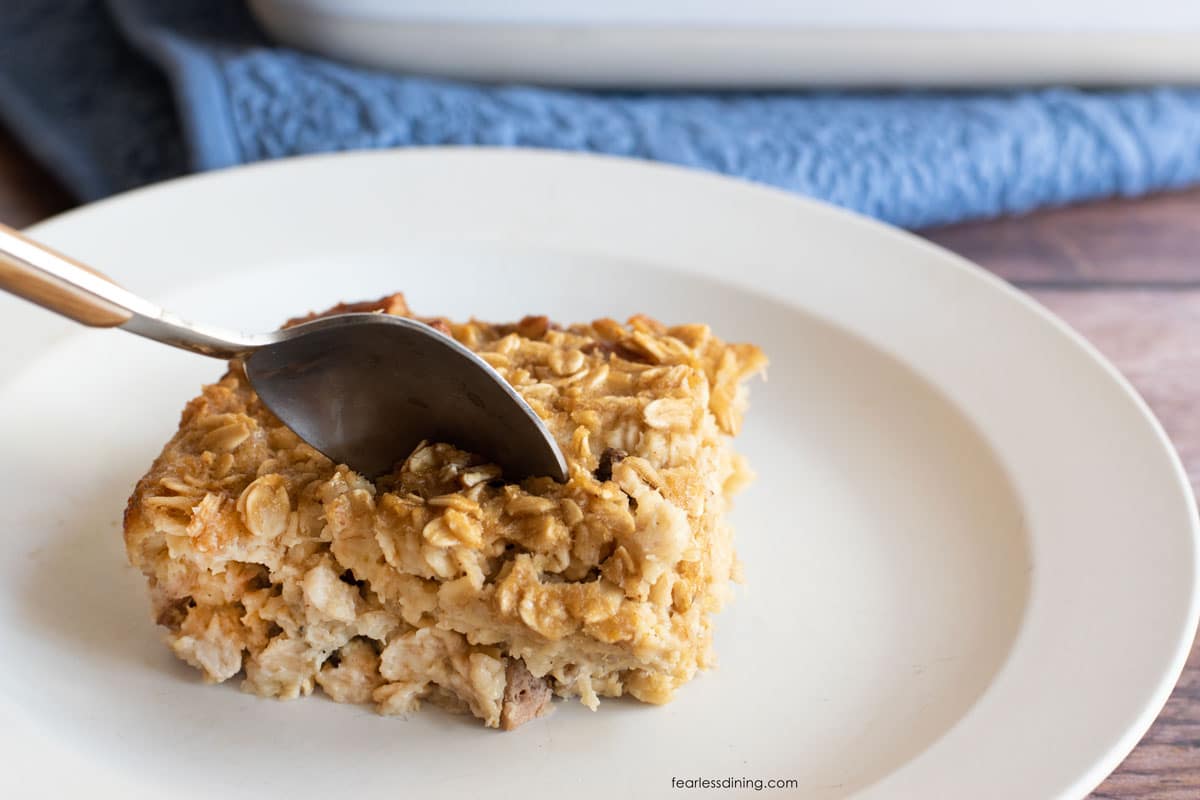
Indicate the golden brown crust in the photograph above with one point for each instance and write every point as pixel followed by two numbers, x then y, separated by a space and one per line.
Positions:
pixel 390 304
pixel 267 560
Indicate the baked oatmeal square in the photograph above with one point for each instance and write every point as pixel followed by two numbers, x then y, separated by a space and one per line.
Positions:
pixel 439 581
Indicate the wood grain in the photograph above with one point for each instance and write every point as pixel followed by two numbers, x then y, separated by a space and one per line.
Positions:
pixel 1147 242
pixel 27 192
pixel 1125 273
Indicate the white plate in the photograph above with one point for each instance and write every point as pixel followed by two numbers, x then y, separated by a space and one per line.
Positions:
pixel 971 553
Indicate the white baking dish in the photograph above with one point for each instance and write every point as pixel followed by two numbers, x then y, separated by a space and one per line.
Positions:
pixel 755 43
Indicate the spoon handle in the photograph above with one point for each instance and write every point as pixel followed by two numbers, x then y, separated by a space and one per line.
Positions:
pixel 55 282
pixel 61 284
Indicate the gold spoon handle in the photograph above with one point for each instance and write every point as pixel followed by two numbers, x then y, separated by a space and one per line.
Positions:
pixel 53 281
pixel 60 284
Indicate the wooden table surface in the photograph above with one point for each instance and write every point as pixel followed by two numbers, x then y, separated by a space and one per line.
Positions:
pixel 1124 273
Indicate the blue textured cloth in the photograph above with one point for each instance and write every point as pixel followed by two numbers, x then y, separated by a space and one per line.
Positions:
pixel 112 96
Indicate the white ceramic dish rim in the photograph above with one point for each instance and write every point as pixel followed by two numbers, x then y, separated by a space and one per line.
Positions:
pixel 755 46
pixel 877 15
pixel 991 742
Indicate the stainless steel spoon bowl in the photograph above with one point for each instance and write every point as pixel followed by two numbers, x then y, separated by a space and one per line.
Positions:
pixel 364 389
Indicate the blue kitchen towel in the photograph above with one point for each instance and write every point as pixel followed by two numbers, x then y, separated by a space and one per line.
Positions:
pixel 112 96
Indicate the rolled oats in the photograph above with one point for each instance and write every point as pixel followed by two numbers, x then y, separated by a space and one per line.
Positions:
pixel 439 582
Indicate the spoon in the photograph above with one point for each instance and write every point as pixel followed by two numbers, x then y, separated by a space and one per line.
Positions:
pixel 364 389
